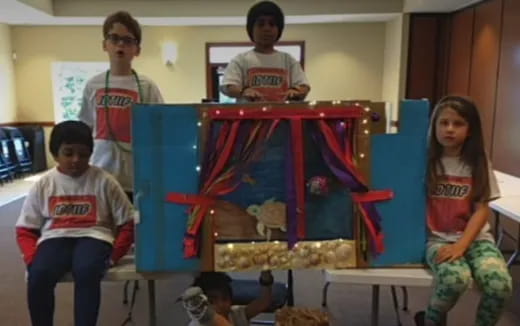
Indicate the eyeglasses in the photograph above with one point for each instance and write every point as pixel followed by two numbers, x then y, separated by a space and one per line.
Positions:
pixel 115 39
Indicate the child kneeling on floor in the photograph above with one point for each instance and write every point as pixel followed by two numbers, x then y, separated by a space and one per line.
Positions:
pixel 209 301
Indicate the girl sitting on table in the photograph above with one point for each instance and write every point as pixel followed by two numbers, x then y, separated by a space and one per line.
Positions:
pixel 460 247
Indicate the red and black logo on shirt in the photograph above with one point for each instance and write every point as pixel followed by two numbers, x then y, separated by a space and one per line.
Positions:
pixel 451 190
pixel 272 83
pixel 73 211
pixel 449 206
pixel 113 113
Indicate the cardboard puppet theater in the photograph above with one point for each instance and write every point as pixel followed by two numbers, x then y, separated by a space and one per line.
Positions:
pixel 278 186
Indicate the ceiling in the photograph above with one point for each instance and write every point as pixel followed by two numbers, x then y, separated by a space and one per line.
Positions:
pixel 436 5
pixel 211 12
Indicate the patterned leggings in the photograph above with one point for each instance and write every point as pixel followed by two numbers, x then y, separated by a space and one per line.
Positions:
pixel 486 264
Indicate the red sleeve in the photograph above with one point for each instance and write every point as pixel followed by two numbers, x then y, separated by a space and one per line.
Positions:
pixel 123 241
pixel 27 239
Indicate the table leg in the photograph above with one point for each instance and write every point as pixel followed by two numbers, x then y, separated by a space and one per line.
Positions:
pixel 515 254
pixel 405 298
pixel 499 233
pixel 152 313
pixel 396 305
pixel 324 294
pixel 375 305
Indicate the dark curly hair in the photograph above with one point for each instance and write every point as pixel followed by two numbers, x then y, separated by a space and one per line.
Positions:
pixel 215 284
pixel 265 8
pixel 70 132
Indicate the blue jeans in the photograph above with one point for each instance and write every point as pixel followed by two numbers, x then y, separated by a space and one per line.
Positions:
pixel 87 258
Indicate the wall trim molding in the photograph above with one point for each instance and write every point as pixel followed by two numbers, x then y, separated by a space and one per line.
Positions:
pixel 28 123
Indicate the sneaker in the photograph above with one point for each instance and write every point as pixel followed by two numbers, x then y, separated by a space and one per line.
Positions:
pixel 419 318
pixel 197 305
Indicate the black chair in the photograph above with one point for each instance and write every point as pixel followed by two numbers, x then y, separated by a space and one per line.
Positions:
pixel 35 136
pixel 5 152
pixel 18 150
pixel 4 171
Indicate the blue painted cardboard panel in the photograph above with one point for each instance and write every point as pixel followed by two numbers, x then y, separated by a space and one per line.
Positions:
pixel 399 163
pixel 165 160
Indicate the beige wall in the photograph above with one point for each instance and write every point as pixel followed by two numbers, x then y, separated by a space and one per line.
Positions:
pixel 404 55
pixel 43 5
pixel 342 61
pixel 7 80
pixel 392 64
pixel 209 8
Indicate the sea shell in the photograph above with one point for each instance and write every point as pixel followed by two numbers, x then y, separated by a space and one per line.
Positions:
pixel 343 251
pixel 222 251
pixel 260 259
pixel 236 253
pixel 330 245
pixel 303 252
pixel 330 257
pixel 314 259
pixel 221 264
pixel 280 247
pixel 243 262
pixel 298 262
pixel 274 261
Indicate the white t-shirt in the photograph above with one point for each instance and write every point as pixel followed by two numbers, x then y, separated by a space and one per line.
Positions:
pixel 237 317
pixel 115 157
pixel 270 74
pixel 451 207
pixel 92 205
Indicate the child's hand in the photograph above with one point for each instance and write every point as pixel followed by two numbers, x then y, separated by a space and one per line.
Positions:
pixel 266 278
pixel 292 94
pixel 450 253
pixel 252 95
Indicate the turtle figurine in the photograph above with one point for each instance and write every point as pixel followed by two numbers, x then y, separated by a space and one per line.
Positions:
pixel 270 215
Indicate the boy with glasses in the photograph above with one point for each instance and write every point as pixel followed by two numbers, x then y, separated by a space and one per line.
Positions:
pixel 108 99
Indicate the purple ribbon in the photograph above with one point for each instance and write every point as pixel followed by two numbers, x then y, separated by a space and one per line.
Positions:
pixel 343 174
pixel 341 131
pixel 290 186
pixel 339 169
pixel 372 213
